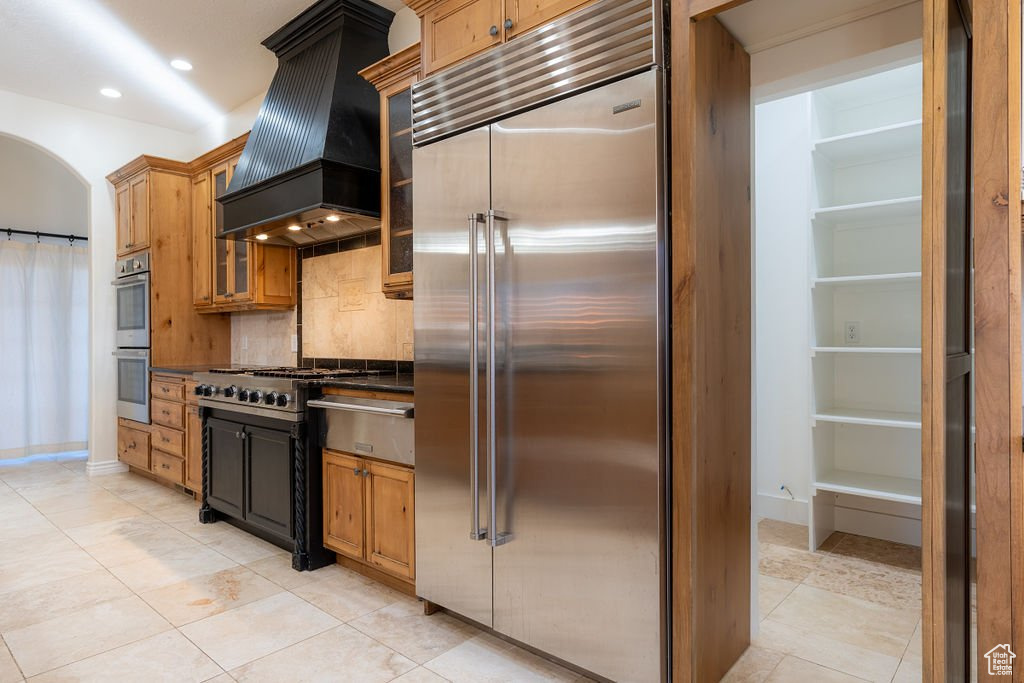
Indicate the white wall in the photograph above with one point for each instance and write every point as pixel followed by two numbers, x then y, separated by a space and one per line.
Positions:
pixel 92 145
pixel 782 171
pixel 405 30
pixel 38 192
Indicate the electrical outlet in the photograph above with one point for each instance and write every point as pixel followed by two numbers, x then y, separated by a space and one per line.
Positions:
pixel 245 342
pixel 295 343
pixel 851 332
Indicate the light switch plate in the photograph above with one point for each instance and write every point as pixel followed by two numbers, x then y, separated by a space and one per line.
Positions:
pixel 295 343
pixel 245 342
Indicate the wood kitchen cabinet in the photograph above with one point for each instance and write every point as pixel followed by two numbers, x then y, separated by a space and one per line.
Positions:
pixel 152 210
pixel 369 512
pixel 393 77
pixel 232 275
pixel 453 30
pixel 131 208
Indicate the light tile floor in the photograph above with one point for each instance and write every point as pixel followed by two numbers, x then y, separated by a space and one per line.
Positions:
pixel 850 611
pixel 112 579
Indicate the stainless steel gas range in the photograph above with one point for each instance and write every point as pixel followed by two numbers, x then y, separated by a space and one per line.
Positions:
pixel 261 462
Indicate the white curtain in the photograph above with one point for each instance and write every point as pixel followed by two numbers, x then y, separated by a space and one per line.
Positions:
pixel 44 348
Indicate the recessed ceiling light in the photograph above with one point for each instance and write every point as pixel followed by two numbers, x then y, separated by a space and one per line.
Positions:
pixel 334 219
pixel 181 65
pixel 295 228
pixel 110 92
pixel 262 236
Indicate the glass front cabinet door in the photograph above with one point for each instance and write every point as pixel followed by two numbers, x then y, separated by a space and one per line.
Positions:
pixel 233 275
pixel 393 77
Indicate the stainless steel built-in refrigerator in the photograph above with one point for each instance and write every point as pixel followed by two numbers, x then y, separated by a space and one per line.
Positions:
pixel 539 332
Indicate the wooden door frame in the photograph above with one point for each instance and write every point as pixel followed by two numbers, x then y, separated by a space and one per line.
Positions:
pixel 999 469
pixel 697 650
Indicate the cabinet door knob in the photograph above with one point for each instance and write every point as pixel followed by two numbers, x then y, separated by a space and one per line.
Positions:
pixel 508 24
pixel 366 473
pixel 355 471
pixel 494 30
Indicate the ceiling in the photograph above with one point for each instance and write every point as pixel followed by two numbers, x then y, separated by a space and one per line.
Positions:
pixel 67 50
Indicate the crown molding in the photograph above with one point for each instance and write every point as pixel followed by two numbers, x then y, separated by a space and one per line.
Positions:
pixel 395 67
pixel 219 154
pixel 147 163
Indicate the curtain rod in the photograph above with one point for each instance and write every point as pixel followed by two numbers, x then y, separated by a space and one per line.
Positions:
pixel 37 234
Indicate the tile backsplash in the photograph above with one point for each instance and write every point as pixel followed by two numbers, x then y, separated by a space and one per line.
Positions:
pixel 344 314
pixel 263 338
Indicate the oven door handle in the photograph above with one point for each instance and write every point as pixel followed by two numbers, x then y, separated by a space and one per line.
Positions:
pixel 125 353
pixel 401 409
pixel 130 280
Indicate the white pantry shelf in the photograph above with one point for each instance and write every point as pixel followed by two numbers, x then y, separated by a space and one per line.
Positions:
pixel 875 144
pixel 866 280
pixel 886 350
pixel 877 486
pixel 872 418
pixel 869 213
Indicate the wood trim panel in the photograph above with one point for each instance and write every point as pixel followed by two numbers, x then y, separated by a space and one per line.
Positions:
pixel 711 338
pixel 705 9
pixel 933 291
pixel 997 255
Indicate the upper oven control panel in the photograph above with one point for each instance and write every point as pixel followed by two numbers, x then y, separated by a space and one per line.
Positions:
pixel 133 265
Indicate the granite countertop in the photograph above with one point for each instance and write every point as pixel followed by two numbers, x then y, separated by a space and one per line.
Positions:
pixel 394 383
pixel 184 369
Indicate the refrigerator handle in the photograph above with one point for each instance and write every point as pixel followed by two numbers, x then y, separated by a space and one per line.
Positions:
pixel 476 533
pixel 496 538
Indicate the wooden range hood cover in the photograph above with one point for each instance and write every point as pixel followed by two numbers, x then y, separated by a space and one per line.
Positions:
pixel 313 157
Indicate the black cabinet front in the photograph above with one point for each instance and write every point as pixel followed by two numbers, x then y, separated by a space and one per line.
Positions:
pixel 227 466
pixel 251 475
pixel 268 481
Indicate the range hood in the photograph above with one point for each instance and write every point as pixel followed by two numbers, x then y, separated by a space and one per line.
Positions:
pixel 310 171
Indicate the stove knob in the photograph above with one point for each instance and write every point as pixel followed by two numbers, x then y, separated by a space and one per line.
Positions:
pixel 271 398
pixel 229 392
pixel 209 390
pixel 283 400
pixel 199 389
pixel 243 394
pixel 255 396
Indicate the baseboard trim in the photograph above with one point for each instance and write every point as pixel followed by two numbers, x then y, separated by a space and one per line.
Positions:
pixel 98 469
pixel 782 508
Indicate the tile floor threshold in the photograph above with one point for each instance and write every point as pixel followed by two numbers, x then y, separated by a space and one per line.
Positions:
pixel 112 578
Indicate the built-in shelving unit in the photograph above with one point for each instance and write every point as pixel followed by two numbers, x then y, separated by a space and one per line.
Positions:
pixel 865 294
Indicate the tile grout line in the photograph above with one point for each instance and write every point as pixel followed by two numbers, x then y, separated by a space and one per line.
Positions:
pixel 104 568
pixel 13 658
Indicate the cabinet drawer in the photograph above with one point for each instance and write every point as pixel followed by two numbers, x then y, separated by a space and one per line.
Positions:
pixel 169 441
pixel 169 467
pixel 168 391
pixel 133 447
pixel 168 414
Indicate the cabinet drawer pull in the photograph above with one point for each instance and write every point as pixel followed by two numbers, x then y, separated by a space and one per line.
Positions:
pixel 165 466
pixel 494 30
